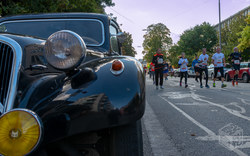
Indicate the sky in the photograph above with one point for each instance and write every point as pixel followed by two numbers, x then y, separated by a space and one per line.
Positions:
pixel 177 15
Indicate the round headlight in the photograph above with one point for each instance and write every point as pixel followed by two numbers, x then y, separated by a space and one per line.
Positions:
pixel 64 50
pixel 20 132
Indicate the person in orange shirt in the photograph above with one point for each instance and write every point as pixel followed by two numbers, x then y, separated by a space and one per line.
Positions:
pixel 152 71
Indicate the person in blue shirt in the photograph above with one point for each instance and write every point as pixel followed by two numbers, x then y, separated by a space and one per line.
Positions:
pixel 195 66
pixel 165 70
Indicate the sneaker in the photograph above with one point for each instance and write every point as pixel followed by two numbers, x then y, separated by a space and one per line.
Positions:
pixel 223 85
pixel 236 83
pixel 201 86
pixel 162 87
pixel 186 86
pixel 157 87
pixel 207 86
pixel 180 84
pixel 196 80
pixel 233 83
pixel 214 84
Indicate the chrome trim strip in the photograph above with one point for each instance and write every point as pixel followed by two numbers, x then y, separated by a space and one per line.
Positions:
pixel 93 45
pixel 37 118
pixel 16 66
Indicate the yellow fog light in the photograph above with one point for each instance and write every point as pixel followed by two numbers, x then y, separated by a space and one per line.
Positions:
pixel 20 132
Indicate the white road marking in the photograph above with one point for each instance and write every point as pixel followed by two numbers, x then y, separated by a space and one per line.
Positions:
pixel 208 131
pixel 229 110
pixel 216 138
pixel 242 109
pixel 191 104
pixel 159 140
pixel 245 101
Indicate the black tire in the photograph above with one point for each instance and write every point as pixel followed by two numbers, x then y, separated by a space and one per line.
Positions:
pixel 127 140
pixel 245 78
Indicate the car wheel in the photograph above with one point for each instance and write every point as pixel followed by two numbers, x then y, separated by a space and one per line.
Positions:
pixel 245 78
pixel 127 140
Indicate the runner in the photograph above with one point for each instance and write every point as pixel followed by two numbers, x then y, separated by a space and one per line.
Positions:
pixel 218 60
pixel 165 70
pixel 158 62
pixel 152 67
pixel 236 58
pixel 195 66
pixel 203 59
pixel 183 62
pixel 171 70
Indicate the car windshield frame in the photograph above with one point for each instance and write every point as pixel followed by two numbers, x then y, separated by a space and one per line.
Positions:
pixel 63 19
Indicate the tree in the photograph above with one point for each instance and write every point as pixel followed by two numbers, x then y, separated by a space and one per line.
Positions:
pixel 174 52
pixel 244 40
pixel 12 7
pixel 127 47
pixel 157 36
pixel 230 34
pixel 192 41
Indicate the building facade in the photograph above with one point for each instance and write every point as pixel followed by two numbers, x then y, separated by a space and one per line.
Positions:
pixel 227 21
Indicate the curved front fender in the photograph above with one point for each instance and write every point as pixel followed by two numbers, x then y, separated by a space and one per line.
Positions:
pixel 104 101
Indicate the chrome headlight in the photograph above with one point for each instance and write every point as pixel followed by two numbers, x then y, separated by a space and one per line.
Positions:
pixel 64 50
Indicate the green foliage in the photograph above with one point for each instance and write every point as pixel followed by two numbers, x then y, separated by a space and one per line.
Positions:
pixel 244 40
pixel 230 35
pixel 13 7
pixel 127 47
pixel 157 36
pixel 192 41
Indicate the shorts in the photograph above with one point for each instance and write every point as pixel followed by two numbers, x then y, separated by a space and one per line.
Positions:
pixel 165 71
pixel 217 69
pixel 236 66
pixel 196 69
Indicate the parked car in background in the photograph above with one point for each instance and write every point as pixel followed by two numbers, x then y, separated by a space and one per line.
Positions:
pixel 211 70
pixel 244 73
pixel 177 72
pixel 65 88
pixel 191 72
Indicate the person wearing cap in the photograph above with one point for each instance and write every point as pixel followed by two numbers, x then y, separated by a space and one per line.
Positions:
pixel 235 59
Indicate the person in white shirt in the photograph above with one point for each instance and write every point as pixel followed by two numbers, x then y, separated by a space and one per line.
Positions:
pixel 219 62
pixel 183 62
pixel 203 60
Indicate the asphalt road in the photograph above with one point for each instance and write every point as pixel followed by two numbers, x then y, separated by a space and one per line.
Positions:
pixel 196 122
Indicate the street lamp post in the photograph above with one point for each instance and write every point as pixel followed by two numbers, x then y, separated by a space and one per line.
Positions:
pixel 219 26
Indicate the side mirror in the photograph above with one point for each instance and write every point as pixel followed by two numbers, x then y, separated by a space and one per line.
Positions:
pixel 121 37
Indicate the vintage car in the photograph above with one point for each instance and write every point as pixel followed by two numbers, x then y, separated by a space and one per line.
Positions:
pixel 244 73
pixel 66 89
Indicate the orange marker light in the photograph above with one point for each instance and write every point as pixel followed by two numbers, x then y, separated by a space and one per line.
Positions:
pixel 117 67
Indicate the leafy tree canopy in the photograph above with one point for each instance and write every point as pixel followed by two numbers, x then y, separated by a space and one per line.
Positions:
pixel 157 36
pixel 231 34
pixel 127 47
pixel 244 40
pixel 192 41
pixel 13 7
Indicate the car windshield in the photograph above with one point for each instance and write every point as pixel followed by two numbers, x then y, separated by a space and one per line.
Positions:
pixel 91 30
pixel 245 65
